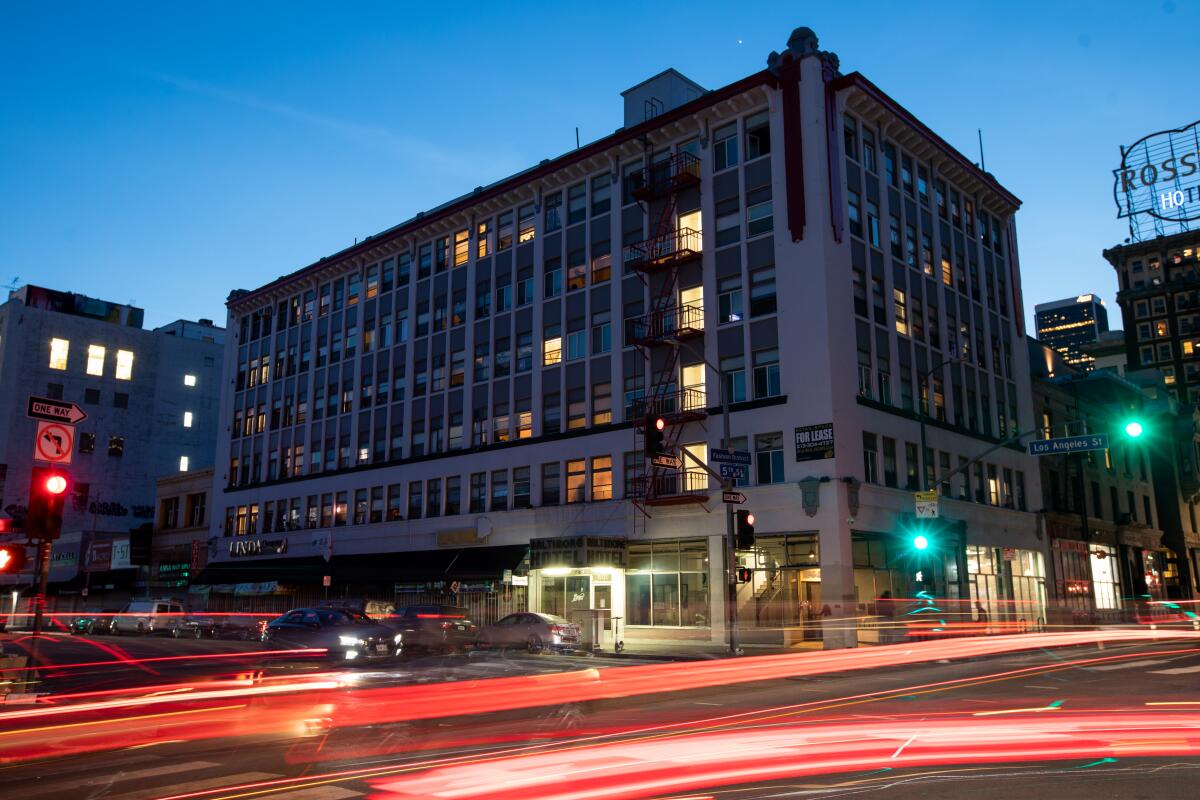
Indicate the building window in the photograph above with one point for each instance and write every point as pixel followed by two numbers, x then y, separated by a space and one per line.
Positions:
pixel 762 291
pixel 551 490
pixel 576 345
pixel 478 498
pixel 873 223
pixel 120 400
pixel 601 332
pixel 729 299
pixel 576 480
pixel 733 368
pixel 58 353
pixel 601 403
pixel 725 147
pixel 189 380
pixel 854 210
pixel 124 365
pixel 415 496
pixel 758 135
pixel 95 359
pixel 602 478
pixel 901 309
pixel 87 442
pixel 768 456
pixel 553 205
pixel 667 584
pixel 766 373
pixel 499 490
pixel 576 204
pixel 889 462
pixel 187 419
pixel 760 218
pixel 601 195
pixel 870 458
pixel 183 463
pixel 116 446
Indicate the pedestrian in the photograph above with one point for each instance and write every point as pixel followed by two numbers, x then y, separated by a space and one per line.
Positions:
pixel 981 614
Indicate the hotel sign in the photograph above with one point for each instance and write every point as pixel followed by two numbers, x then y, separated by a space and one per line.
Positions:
pixel 1159 176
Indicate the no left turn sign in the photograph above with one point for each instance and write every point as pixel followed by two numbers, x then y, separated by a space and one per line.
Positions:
pixel 55 442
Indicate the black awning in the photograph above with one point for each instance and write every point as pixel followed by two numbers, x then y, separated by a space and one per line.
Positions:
pixel 285 570
pixel 462 563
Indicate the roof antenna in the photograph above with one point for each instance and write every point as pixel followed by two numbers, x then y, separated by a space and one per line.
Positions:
pixel 576 137
pixel 14 284
pixel 982 163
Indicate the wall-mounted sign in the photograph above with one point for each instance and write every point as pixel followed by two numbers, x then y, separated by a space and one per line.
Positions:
pixel 257 547
pixel 1159 176
pixel 814 442
pixel 577 552
pixel 458 537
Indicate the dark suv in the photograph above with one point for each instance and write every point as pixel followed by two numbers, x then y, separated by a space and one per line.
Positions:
pixel 435 627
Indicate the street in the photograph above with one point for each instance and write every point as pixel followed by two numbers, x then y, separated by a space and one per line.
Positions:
pixel 1025 703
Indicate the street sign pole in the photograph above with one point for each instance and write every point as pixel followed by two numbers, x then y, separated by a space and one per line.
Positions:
pixel 39 600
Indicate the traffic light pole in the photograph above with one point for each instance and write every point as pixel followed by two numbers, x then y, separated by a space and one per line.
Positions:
pixel 39 601
pixel 730 552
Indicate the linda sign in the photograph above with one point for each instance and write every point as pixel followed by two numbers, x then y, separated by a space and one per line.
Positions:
pixel 1160 176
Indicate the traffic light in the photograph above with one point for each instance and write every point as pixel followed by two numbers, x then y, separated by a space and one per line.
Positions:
pixel 653 430
pixel 47 495
pixel 12 558
pixel 1133 428
pixel 744 575
pixel 744 528
pixel 920 542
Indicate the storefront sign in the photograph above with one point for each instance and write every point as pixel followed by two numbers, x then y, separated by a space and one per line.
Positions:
pixel 120 554
pixel 459 537
pixel 520 580
pixel 99 557
pixel 1159 176
pixel 577 552
pixel 814 442
pixel 257 547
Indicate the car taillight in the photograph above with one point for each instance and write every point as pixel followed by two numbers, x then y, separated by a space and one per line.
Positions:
pixel 445 625
pixel 556 629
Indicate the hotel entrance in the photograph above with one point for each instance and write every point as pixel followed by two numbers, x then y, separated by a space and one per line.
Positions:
pixel 577 578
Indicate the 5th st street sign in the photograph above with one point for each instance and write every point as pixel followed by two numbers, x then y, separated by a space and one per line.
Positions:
pixel 49 410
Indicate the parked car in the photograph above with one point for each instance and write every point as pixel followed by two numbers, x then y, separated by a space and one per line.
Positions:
pixel 346 634
pixel 94 623
pixel 145 617
pixel 435 627
pixel 535 632
pixel 247 628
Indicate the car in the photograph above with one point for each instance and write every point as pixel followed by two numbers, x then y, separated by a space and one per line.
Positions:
pixel 145 617
pixel 246 628
pixel 94 623
pixel 534 631
pixel 435 627
pixel 346 634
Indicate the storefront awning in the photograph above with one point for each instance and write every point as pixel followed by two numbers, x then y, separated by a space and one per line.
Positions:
pixel 284 570
pixel 463 563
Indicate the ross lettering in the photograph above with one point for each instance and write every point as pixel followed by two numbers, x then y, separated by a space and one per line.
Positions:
pixel 1127 176
pixel 1189 163
pixel 1170 173
pixel 1153 174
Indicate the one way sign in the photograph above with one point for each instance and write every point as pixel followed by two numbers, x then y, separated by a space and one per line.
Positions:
pixel 49 410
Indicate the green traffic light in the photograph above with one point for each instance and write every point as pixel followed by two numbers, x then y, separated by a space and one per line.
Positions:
pixel 920 542
pixel 1133 429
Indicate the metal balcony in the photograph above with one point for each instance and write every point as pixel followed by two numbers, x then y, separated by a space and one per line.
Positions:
pixel 664 326
pixel 662 178
pixel 675 406
pixel 670 249
pixel 671 488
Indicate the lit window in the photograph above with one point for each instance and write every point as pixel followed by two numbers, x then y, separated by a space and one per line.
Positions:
pixel 189 380
pixel 187 419
pixel 124 365
pixel 58 353
pixel 95 362
pixel 183 463
pixel 552 351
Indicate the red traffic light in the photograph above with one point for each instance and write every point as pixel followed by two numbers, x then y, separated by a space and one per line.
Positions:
pixel 12 558
pixel 56 484
pixel 749 518
pixel 744 575
pixel 660 423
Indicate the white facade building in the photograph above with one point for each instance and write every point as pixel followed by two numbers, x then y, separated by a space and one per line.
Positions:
pixel 414 415
pixel 151 400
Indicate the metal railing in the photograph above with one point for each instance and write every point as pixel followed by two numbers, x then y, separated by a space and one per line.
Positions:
pixel 668 323
pixel 673 246
pixel 682 169
pixel 689 399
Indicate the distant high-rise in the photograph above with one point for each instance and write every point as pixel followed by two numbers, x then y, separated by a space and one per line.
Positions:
pixel 1071 324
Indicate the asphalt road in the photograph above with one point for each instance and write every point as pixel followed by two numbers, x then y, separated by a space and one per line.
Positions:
pixel 414 759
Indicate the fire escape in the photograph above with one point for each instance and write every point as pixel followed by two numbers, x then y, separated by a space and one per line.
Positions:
pixel 659 333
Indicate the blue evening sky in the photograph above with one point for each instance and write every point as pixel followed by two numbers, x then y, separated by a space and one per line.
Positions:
pixel 165 153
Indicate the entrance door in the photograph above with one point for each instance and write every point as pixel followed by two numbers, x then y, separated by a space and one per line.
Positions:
pixel 579 598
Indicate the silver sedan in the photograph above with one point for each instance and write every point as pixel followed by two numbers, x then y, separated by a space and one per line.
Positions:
pixel 535 632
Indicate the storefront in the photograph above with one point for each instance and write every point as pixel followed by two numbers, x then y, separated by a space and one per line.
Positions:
pixel 1009 584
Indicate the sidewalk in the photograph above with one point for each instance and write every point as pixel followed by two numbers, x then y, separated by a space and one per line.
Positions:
pixel 696 651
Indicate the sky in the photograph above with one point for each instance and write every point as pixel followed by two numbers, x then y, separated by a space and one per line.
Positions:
pixel 162 154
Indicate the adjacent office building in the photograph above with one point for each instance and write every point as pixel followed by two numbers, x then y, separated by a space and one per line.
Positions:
pixel 454 407
pixel 1160 308
pixel 1070 325
pixel 151 400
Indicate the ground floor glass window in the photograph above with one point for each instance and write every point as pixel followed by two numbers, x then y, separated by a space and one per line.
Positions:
pixel 666 584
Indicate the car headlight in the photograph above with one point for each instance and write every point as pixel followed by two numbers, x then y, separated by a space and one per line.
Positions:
pixel 397 638
pixel 350 641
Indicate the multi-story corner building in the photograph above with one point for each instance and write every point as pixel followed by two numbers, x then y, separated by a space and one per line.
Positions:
pixel 1105 535
pixel 1160 308
pixel 151 400
pixel 179 546
pixel 460 398
pixel 1070 325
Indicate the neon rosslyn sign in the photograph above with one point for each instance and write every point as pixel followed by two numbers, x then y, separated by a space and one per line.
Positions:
pixel 1159 176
